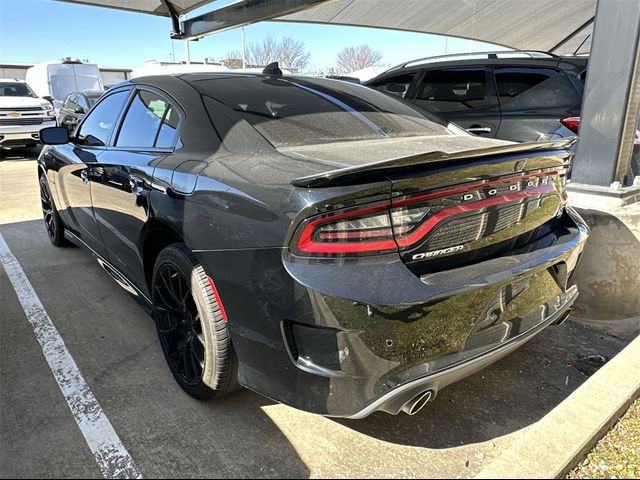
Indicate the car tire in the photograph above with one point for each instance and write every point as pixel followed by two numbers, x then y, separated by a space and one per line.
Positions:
pixel 191 325
pixel 52 220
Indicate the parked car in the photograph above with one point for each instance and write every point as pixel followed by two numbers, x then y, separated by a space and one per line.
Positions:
pixel 517 96
pixel 326 245
pixel 55 80
pixel 74 108
pixel 22 114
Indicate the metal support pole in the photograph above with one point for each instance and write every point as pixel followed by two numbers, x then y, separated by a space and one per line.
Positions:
pixel 611 97
pixel 187 53
pixel 244 51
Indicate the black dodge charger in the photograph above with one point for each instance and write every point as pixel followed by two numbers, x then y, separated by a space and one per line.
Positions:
pixel 319 242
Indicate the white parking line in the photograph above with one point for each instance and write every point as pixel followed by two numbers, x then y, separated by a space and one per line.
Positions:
pixel 112 458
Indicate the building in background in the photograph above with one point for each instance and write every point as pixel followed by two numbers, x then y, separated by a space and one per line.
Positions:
pixel 110 75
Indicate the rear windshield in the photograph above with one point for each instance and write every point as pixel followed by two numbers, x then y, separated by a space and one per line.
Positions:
pixel 294 111
pixel 16 89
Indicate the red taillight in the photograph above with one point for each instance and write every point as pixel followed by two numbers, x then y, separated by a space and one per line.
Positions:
pixel 356 231
pixel 572 123
pixel 404 222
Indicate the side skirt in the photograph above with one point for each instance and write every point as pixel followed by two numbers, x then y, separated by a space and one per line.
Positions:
pixel 120 278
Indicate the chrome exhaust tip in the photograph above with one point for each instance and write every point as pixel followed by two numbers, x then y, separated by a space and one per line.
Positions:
pixel 418 402
pixel 562 319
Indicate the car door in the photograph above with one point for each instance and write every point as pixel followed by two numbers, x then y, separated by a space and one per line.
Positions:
pixel 64 115
pixel 463 95
pixel 533 100
pixel 123 178
pixel 74 162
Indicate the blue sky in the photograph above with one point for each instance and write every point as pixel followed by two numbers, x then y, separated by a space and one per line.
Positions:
pixel 34 31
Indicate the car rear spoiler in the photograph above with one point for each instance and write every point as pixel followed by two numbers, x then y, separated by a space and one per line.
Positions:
pixel 371 171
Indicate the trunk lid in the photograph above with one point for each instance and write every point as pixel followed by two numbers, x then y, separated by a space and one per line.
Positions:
pixel 448 207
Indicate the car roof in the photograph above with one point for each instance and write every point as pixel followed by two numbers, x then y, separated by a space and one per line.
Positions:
pixel 12 80
pixel 485 58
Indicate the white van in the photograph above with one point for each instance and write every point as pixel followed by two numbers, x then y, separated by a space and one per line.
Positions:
pixel 55 80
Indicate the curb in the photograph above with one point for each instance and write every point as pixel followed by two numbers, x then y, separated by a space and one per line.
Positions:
pixel 556 443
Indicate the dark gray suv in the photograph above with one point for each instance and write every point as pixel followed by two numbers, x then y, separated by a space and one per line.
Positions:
pixel 518 96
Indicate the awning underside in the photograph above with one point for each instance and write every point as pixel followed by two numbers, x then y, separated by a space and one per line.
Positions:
pixel 550 25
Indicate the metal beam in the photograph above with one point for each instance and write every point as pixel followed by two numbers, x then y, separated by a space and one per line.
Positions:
pixel 611 97
pixel 577 31
pixel 175 20
pixel 242 13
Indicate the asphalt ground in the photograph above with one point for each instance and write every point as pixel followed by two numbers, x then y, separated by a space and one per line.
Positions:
pixel 168 434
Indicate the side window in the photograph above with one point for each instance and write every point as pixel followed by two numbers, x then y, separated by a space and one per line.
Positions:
pixel 456 90
pixel 142 121
pixel 168 129
pixel 82 102
pixel 99 124
pixel 522 88
pixel 583 77
pixel 398 85
pixel 71 102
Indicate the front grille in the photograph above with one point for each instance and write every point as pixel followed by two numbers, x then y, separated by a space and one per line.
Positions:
pixel 22 121
pixel 22 109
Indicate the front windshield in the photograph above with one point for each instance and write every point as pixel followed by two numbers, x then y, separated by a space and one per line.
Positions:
pixel 16 89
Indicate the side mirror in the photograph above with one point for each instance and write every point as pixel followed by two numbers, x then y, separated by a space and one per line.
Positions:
pixel 79 110
pixel 54 136
pixel 49 99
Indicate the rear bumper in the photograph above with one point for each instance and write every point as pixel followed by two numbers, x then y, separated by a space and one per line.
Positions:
pixel 393 401
pixel 350 339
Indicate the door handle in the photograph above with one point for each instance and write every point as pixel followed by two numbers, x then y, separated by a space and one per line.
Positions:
pixel 478 129
pixel 84 175
pixel 137 185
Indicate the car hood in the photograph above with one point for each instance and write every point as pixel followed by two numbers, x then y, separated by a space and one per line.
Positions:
pixel 22 102
pixel 356 153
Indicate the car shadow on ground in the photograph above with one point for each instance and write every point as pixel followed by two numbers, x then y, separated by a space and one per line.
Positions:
pixel 115 345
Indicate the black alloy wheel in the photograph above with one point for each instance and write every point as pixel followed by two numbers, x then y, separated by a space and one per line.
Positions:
pixel 52 221
pixel 179 325
pixel 191 326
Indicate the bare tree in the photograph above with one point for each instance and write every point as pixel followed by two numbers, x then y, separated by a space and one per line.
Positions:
pixel 351 59
pixel 289 53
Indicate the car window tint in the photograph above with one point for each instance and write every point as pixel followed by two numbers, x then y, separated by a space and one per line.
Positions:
pixel 306 111
pixel 168 129
pixel 583 77
pixel 521 88
pixel 99 124
pixel 16 89
pixel 82 102
pixel 398 85
pixel 142 120
pixel 455 90
pixel 70 102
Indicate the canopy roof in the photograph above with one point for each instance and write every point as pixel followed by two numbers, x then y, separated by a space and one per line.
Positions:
pixel 550 25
